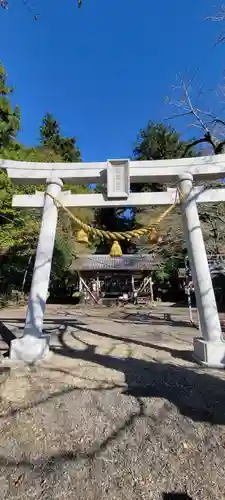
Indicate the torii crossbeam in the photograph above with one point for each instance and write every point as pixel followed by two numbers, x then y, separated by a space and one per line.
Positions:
pixel 119 175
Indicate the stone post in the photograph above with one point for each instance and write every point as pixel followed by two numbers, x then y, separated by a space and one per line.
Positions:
pixel 210 349
pixel 33 346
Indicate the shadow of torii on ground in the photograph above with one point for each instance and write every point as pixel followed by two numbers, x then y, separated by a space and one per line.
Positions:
pixel 199 396
pixel 176 496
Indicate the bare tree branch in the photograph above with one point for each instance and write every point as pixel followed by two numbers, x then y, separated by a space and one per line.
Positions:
pixel 205 120
pixel 220 16
pixel 195 143
pixel 193 110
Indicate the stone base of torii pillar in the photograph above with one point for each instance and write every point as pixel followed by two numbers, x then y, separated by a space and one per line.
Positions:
pixel 34 345
pixel 30 349
pixel 210 354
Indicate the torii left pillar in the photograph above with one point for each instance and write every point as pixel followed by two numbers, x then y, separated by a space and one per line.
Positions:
pixel 34 345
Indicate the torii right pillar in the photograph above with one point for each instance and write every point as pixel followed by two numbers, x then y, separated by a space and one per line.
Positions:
pixel 210 349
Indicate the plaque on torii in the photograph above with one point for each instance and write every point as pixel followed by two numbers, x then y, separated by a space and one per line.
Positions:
pixel 118 179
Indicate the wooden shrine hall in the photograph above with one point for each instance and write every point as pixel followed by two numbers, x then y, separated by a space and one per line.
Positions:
pixel 103 277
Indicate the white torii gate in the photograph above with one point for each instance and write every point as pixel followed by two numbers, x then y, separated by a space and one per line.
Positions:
pixel 34 346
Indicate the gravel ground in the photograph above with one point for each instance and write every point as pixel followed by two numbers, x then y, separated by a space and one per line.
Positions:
pixel 115 414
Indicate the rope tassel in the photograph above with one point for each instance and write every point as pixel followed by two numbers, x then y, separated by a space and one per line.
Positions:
pixel 82 236
pixel 116 250
pixel 153 236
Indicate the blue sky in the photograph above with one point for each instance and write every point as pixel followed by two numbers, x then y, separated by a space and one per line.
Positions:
pixel 104 70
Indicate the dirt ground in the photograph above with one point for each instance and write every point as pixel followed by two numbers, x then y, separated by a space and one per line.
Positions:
pixel 119 411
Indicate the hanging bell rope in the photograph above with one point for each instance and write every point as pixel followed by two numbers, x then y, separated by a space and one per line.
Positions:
pixel 151 230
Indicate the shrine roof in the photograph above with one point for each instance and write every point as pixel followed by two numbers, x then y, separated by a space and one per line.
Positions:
pixel 130 262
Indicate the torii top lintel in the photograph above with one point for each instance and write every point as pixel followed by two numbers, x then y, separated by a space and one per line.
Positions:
pixel 205 167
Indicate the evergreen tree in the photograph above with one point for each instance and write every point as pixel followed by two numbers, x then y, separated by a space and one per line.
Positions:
pixel 158 142
pixel 50 132
pixel 52 139
pixel 9 117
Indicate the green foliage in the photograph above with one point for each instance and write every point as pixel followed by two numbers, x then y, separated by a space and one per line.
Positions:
pixel 51 138
pixel 168 269
pixel 158 141
pixel 65 149
pixel 62 257
pixel 50 132
pixel 9 118
pixel 19 227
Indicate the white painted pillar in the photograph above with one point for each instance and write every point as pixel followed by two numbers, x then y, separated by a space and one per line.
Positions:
pixel 34 345
pixel 98 286
pixel 210 349
pixel 151 290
